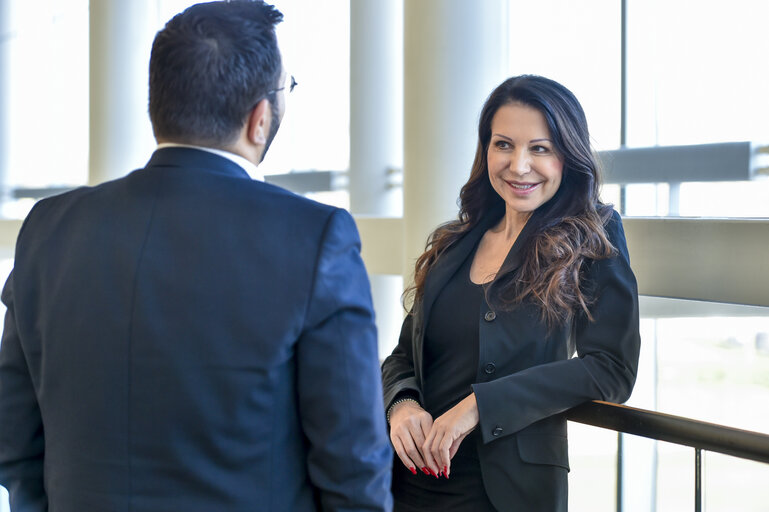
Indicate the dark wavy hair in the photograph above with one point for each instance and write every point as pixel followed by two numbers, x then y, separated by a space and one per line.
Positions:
pixel 569 227
pixel 210 65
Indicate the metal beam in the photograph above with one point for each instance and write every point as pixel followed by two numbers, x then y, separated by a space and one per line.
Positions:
pixel 725 161
pixel 303 182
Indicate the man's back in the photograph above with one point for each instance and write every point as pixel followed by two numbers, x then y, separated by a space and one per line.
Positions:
pixel 191 335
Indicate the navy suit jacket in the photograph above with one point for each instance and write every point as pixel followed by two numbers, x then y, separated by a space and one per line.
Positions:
pixel 526 377
pixel 188 339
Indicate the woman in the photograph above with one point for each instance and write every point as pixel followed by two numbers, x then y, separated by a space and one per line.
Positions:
pixel 534 269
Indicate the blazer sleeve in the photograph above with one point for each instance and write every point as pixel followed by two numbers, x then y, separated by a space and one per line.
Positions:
pixel 21 427
pixel 398 377
pixel 349 455
pixel 607 350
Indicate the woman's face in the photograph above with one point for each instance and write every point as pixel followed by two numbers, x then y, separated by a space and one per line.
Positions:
pixel 523 167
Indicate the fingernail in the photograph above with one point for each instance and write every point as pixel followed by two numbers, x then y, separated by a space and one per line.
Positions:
pixel 445 469
pixel 425 471
pixel 413 471
pixel 432 472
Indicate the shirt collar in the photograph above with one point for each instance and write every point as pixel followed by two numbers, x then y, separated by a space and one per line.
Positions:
pixel 249 167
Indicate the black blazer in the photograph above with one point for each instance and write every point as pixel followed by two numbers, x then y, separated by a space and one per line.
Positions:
pixel 526 377
pixel 189 339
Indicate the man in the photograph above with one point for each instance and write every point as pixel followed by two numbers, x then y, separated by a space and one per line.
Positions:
pixel 187 338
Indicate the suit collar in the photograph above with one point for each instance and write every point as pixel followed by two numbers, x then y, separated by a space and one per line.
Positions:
pixel 195 159
pixel 249 166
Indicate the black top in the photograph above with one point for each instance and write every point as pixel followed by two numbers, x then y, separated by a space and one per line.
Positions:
pixel 451 366
pixel 451 343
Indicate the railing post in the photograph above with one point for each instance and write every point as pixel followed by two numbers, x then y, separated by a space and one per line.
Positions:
pixel 620 477
pixel 697 480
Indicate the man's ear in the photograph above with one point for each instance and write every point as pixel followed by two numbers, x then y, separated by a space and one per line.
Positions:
pixel 259 123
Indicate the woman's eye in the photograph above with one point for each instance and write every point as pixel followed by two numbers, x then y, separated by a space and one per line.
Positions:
pixel 539 149
pixel 502 144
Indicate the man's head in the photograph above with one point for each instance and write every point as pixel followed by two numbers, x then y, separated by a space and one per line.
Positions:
pixel 214 72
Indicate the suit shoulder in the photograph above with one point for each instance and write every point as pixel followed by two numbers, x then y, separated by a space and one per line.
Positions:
pixel 52 205
pixel 614 228
pixel 295 204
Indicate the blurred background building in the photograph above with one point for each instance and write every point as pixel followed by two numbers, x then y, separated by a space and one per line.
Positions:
pixel 383 123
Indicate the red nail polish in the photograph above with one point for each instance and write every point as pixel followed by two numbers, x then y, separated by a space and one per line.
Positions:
pixel 413 471
pixel 425 471
pixel 445 469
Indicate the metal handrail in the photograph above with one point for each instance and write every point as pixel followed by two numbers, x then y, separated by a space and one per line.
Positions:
pixel 744 444
pixel 700 435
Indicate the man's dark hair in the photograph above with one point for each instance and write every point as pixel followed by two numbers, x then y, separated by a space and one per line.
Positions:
pixel 210 66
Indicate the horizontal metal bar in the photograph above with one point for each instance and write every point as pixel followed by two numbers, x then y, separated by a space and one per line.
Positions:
pixel 724 161
pixel 300 182
pixel 304 182
pixel 744 444
pixel 39 193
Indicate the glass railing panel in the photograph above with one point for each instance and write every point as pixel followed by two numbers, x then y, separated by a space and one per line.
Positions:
pixel 593 475
pixel 710 362
pixel 730 483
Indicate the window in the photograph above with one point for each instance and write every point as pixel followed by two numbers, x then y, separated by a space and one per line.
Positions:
pixel 695 76
pixel 578 45
pixel 45 111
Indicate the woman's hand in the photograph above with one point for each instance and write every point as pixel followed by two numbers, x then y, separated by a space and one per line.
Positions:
pixel 409 425
pixel 448 431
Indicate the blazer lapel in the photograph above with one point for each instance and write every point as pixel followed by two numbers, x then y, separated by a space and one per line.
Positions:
pixel 450 261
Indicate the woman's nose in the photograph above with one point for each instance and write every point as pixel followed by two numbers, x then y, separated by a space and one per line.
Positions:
pixel 520 163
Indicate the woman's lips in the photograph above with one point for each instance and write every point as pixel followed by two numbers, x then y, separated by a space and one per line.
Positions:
pixel 521 188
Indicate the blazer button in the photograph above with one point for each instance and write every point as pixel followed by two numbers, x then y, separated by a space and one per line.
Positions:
pixel 489 316
pixel 496 432
pixel 490 368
